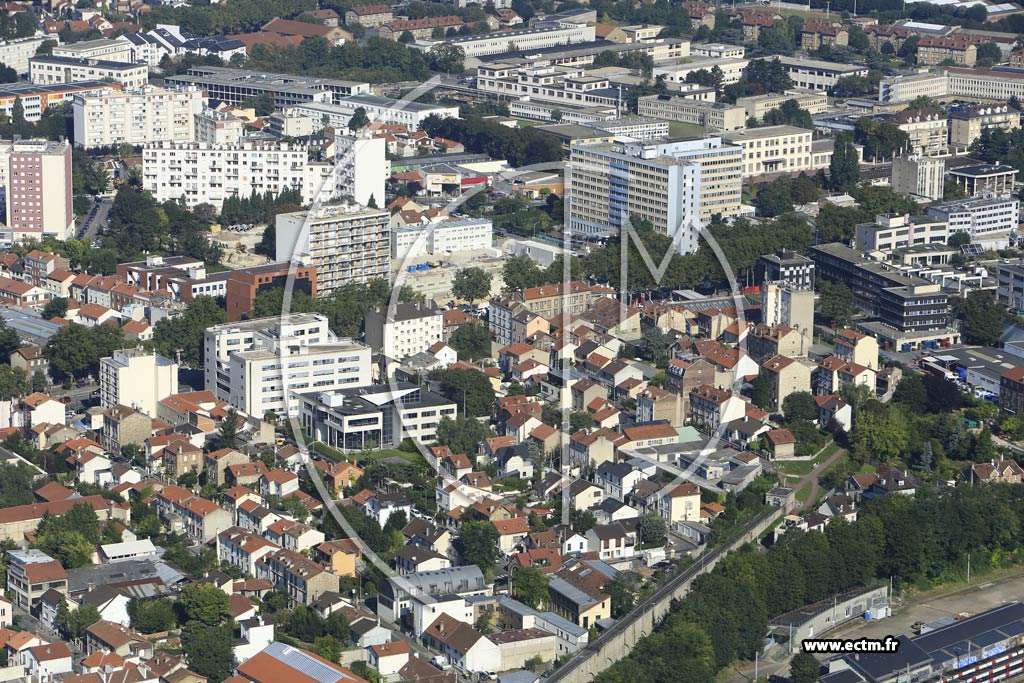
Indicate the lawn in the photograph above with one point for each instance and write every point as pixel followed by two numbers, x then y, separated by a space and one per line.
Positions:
pixel 804 467
pixel 337 456
pixel 684 130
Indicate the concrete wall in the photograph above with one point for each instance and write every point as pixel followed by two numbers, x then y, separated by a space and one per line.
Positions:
pixel 615 643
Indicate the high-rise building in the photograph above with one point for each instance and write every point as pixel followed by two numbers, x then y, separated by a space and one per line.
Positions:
pixel 36 177
pixel 921 176
pixel 783 304
pixel 137 379
pixel 676 184
pixel 347 243
pixel 255 364
pixel 139 117
pixel 200 173
pixel 361 169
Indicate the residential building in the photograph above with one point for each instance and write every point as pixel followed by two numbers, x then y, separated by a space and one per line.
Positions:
pixel 36 177
pixel 373 416
pixel 988 220
pixel 200 173
pixel 279 662
pixel 245 284
pixel 1010 290
pixel 397 594
pixel 369 16
pixel 30 573
pixel 786 266
pixel 19 520
pixel 360 169
pixel 773 149
pixel 138 379
pixel 787 376
pixel 213 127
pixel 893 231
pixel 932 50
pixel 201 519
pixel 926 129
pixel 138 117
pixel 404 329
pixel 1011 390
pixel 967 123
pixel 913 308
pixel 235 85
pixel 256 364
pixel 15 53
pixel 420 29
pixel 714 116
pixel 812 74
pixel 789 306
pixel 347 243
pixel 920 176
pixel 302 579
pixel 102 48
pixel 36 98
pixel 48 69
pixel 676 184
pixel 441 239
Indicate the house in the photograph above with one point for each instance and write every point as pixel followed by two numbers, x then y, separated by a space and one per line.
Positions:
pixel 339 556
pixel 380 506
pixel 1005 471
pixel 611 541
pixel 121 640
pixel 710 407
pixel 302 579
pixel 514 461
pixel 462 645
pixel 787 376
pixel 511 533
pixel 388 658
pixel 411 559
pixel 617 478
pixel 679 503
pixel 216 463
pixel 279 483
pixel 30 573
pixel 43 662
pixel 199 517
pixel 578 600
pixel 111 602
pixel 396 594
pixel 781 443
pixel 641 435
pixel 584 494
pixel 279 662
pixel 833 410
pixel 39 408
pixel 590 448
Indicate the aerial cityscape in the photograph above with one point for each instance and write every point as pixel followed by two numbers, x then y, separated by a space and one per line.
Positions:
pixel 648 341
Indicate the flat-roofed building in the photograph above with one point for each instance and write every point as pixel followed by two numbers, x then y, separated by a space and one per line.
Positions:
pixel 894 231
pixel 915 175
pixel 982 179
pixel 988 220
pixel 139 117
pixel 47 69
pixel 813 74
pixel 773 149
pixel 757 106
pixel 714 116
pixel 234 85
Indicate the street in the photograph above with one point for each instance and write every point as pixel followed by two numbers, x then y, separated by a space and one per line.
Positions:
pixel 97 219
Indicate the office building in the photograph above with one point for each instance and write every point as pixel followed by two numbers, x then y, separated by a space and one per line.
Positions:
pixel 139 117
pixel 347 243
pixel 360 168
pixel 895 231
pixel 773 149
pixel 541 36
pixel 245 284
pixel 812 74
pixel 234 85
pixel 637 127
pixel 675 184
pixel 378 110
pixel 405 329
pixel 786 266
pixel 16 53
pixel 199 173
pixel 985 179
pixel 47 69
pixel 758 106
pixel 909 88
pixel 967 123
pixel 111 50
pixel 440 239
pixel 255 364
pixel 137 379
pixel 714 116
pixel 988 220
pixel 36 177
pixel 919 177
pixel 378 416
pixel 1010 289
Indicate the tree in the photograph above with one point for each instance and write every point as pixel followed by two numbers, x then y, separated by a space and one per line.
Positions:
pixel 478 544
pixel 39 381
pixel 151 616
pixel 911 393
pixel 653 530
pixel 773 200
pixel 623 590
pixel 761 392
pixel 56 307
pixel 406 38
pixel 800 405
pixel 879 434
pixel 12 383
pixel 447 57
pixel 462 435
pixel 983 318
pixel 203 603
pixel 471 284
pixel 582 520
pixel 989 54
pixel 844 168
pixel 529 586
pixel 262 104
pixel 359 119
pixel 803 668
pixel 227 433
pixel 472 341
pixel 470 389
pixel 836 303
pixel 184 333
pixel 268 242
pixel 74 622
pixel 328 647
pixel 209 649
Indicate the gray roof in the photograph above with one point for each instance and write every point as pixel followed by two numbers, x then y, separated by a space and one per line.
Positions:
pixel 437 581
pixel 569 591
pixel 138 578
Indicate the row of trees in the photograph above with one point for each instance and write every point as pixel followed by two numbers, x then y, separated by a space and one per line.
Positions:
pixel 521 147
pixel 377 61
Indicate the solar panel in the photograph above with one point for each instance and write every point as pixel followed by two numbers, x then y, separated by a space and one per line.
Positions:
pixel 971 249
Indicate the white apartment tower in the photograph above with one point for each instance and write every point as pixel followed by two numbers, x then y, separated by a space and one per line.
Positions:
pixel 255 364
pixel 361 169
pixel 347 243
pixel 920 176
pixel 137 379
pixel 139 117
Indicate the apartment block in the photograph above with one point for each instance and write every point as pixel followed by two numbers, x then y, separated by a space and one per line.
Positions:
pixel 137 379
pixel 214 127
pixel 404 330
pixel 30 573
pixel 926 128
pixel 915 175
pixel 988 220
pixel 36 177
pixel 255 364
pixel 786 266
pixel 102 48
pixel 676 184
pixel 439 239
pixel 300 577
pixel 783 304
pixel 36 98
pixel 198 173
pixel 895 231
pixel 245 284
pixel 915 308
pixel 932 50
pixel 1010 289
pixel 346 243
pixel 16 53
pixel 137 117
pixel 47 69
pixel 360 169
pixel 773 149
pixel 714 116
pixel 201 519
pixel 378 416
pixel 966 124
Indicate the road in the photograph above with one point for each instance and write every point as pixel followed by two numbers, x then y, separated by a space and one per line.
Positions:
pixel 812 477
pixel 97 219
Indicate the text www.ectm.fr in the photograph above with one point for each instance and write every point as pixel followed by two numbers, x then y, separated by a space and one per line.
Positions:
pixel 840 646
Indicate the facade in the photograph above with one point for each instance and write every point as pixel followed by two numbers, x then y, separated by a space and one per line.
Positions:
pixel 373 416
pixel 811 74
pixel 198 173
pixel 919 176
pixel 757 106
pixel 404 330
pixel 346 243
pixel 255 364
pixel 138 117
pixel 245 284
pixel 36 176
pixel 378 110
pixel 234 85
pixel 966 124
pixel 985 179
pixel 137 379
pixel 786 266
pixel 896 231
pixel 16 53
pixel 927 129
pixel 36 98
pixel 1011 390
pixel 1011 285
pixel 30 573
pixel 440 239
pixel 675 184
pixel 773 149
pixel 360 169
pixel 549 35
pixel 45 69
